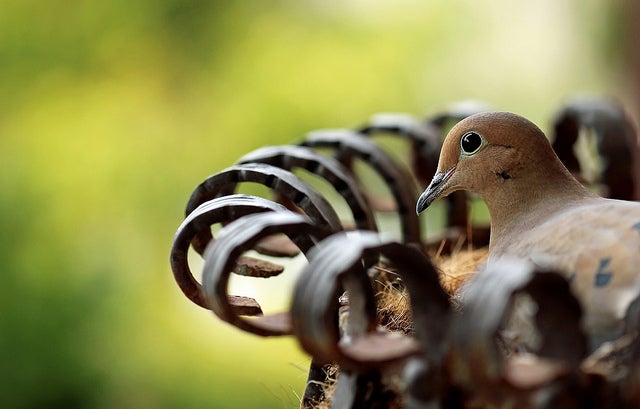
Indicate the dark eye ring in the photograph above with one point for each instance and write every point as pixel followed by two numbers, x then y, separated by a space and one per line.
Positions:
pixel 470 142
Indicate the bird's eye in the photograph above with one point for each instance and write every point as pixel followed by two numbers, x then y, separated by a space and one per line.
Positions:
pixel 470 143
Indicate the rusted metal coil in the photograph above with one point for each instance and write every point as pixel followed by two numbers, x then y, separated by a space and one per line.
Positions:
pixel 242 235
pixel 456 112
pixel 220 210
pixel 290 157
pixel 359 348
pixel 282 181
pixel 349 144
pixel 425 141
pixel 558 373
pixel 631 386
pixel 486 302
pixel 615 142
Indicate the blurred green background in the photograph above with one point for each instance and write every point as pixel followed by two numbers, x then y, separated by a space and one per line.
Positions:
pixel 112 112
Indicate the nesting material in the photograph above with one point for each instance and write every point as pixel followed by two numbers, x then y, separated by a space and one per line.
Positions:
pixel 392 399
pixel 394 307
pixel 457 268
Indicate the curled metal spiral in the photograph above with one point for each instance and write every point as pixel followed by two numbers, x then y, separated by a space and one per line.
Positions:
pixel 292 157
pixel 615 142
pixel 337 265
pixel 282 181
pixel 358 347
pixel 449 358
pixel 349 145
pixel 220 210
pixel 425 140
pixel 478 362
pixel 240 236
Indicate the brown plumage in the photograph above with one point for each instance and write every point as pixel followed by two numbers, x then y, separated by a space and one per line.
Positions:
pixel 540 212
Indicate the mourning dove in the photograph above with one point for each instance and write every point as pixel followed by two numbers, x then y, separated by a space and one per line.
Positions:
pixel 541 213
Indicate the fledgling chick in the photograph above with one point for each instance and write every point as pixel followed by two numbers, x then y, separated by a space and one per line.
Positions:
pixel 540 212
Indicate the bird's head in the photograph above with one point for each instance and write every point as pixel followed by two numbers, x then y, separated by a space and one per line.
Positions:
pixel 487 153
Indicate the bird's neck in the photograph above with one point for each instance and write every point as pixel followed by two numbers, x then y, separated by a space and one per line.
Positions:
pixel 524 203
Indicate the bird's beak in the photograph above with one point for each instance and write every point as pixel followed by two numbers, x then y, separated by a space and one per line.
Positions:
pixel 434 189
